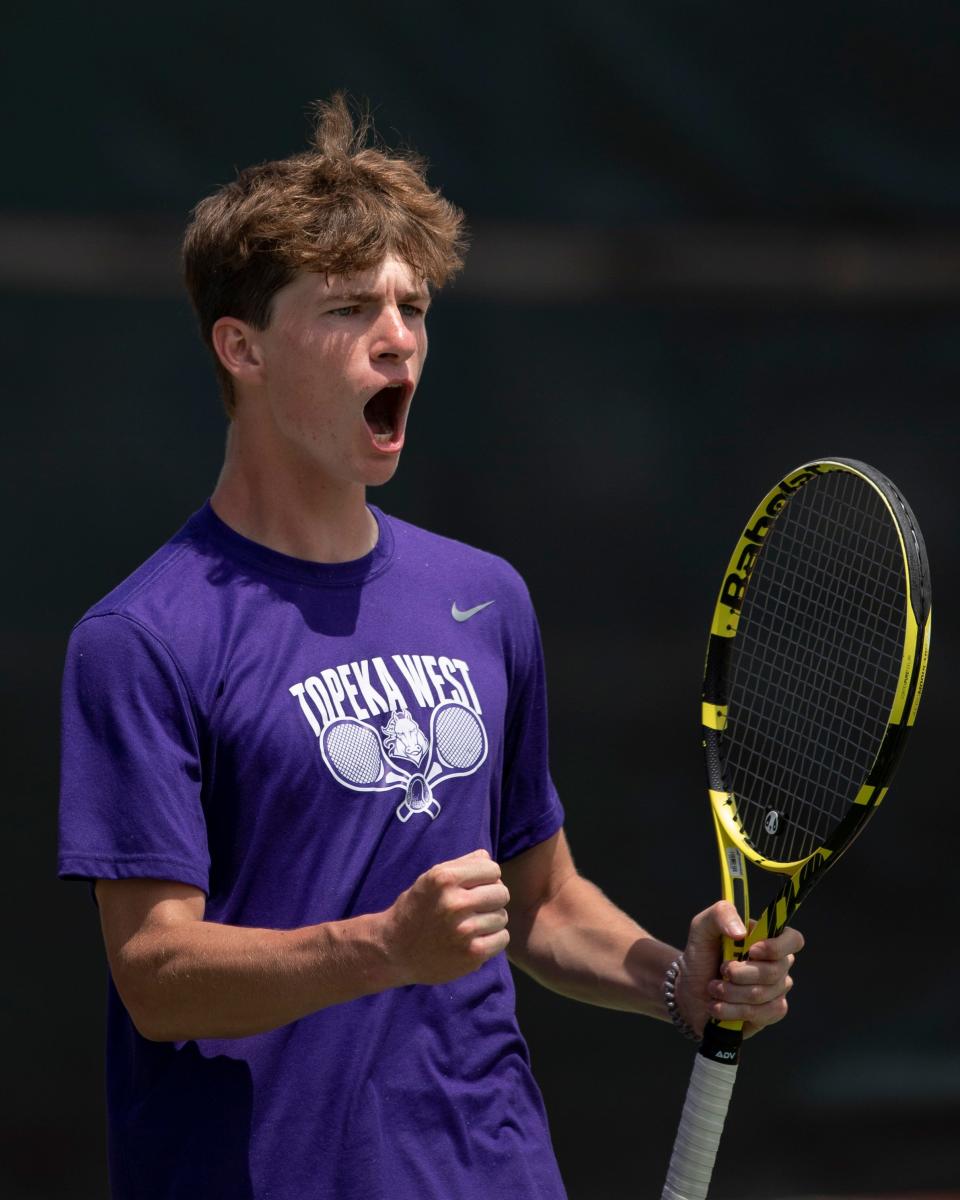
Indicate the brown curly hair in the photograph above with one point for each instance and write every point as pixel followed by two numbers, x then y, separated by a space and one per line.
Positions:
pixel 339 208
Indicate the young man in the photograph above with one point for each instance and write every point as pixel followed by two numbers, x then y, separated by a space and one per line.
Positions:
pixel 305 761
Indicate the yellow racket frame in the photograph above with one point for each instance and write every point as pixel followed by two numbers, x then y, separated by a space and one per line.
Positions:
pixel 733 844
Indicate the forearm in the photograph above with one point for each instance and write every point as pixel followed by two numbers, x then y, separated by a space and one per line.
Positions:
pixel 196 979
pixel 579 944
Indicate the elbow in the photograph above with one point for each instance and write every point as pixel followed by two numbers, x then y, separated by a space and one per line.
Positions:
pixel 145 1017
pixel 137 978
pixel 163 1008
pixel 152 1032
pixel 152 1019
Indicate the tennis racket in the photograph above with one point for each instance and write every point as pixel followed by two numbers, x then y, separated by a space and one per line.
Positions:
pixel 815 663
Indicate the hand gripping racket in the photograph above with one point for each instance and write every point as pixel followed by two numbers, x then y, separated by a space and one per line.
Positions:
pixel 815 663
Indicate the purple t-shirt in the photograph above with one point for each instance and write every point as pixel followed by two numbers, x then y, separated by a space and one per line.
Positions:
pixel 301 741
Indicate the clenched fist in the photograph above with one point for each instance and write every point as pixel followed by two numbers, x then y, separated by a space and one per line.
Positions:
pixel 450 921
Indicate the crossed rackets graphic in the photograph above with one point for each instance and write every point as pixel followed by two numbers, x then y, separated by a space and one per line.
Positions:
pixel 355 756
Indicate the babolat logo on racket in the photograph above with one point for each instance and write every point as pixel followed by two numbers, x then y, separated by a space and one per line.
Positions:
pixel 362 756
pixel 751 541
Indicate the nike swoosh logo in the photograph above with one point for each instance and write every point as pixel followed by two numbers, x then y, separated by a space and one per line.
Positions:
pixel 459 615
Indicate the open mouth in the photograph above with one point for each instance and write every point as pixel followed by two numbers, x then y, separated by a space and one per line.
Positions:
pixel 385 414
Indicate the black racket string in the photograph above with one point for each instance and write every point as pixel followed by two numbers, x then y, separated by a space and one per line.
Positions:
pixel 825 768
pixel 798 760
pixel 815 665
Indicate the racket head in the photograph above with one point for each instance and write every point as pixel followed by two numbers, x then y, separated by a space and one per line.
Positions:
pixel 458 740
pixel 815 663
pixel 354 756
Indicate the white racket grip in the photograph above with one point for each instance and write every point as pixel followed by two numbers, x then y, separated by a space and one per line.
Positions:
pixel 701 1124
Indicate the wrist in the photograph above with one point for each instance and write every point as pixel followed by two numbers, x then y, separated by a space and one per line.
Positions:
pixel 671 1002
pixel 361 947
pixel 385 966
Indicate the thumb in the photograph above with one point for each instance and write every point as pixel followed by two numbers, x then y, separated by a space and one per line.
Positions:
pixel 483 853
pixel 720 920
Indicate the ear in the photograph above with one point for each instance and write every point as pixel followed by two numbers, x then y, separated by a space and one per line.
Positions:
pixel 236 345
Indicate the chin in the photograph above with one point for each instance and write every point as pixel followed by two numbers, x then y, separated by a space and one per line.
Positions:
pixel 377 473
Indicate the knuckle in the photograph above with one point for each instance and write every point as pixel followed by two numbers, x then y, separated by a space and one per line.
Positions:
pixel 441 877
pixel 775 1011
pixel 713 914
pixel 700 922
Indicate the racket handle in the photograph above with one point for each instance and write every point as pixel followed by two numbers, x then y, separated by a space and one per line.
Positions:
pixel 704 1111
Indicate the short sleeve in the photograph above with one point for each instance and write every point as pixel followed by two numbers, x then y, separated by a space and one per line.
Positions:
pixel 531 809
pixel 130 790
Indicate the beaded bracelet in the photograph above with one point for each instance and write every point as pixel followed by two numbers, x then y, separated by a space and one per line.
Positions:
pixel 670 999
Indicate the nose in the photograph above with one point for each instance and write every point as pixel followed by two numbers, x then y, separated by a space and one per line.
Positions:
pixel 393 338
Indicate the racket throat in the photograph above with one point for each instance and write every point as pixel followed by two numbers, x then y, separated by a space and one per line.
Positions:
pixel 418 798
pixel 733 876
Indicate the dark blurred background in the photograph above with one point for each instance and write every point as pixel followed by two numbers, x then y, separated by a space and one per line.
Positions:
pixel 710 241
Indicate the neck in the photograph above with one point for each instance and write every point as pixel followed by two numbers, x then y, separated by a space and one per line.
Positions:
pixel 292 511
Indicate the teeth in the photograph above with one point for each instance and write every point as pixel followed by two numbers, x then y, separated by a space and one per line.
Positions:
pixel 382 416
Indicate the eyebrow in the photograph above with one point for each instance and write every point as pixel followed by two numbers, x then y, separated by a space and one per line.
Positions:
pixel 370 297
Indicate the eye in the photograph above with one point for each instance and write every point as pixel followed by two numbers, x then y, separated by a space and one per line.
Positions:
pixel 347 311
pixel 412 310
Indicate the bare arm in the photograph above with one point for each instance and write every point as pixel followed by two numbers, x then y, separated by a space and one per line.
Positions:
pixel 568 936
pixel 183 977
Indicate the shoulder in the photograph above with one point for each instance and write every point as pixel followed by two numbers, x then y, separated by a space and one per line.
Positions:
pixel 161 610
pixel 461 563
pixel 162 574
pixel 472 590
